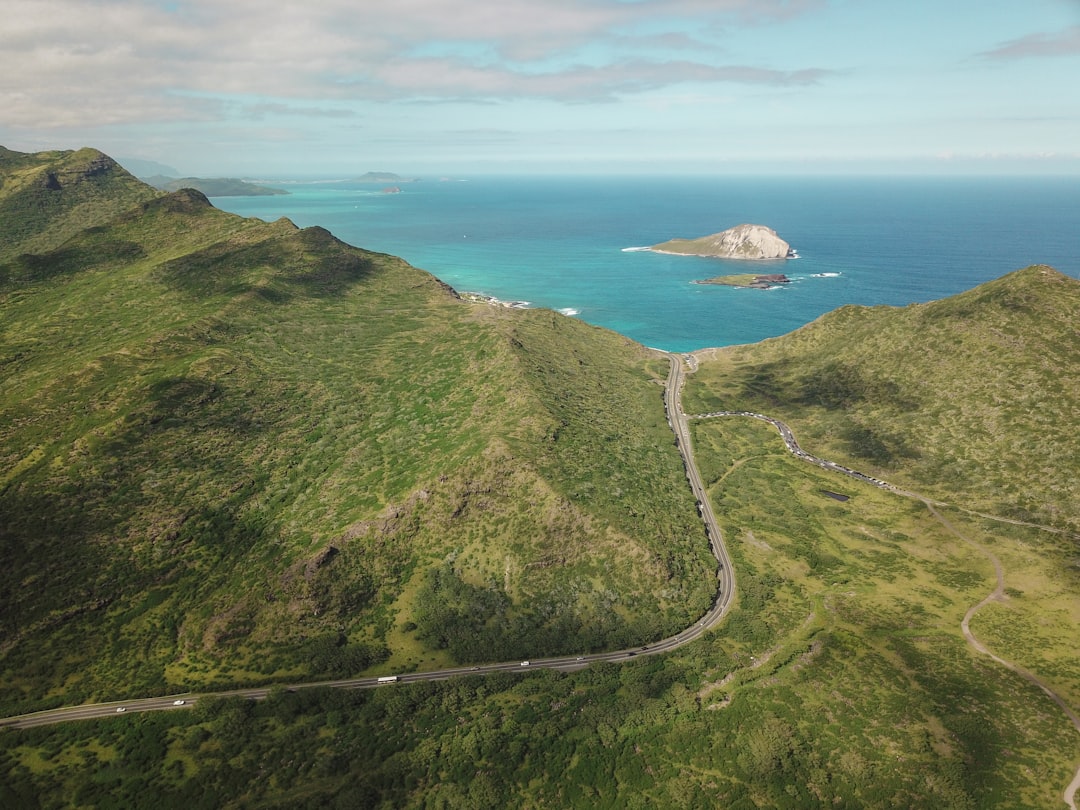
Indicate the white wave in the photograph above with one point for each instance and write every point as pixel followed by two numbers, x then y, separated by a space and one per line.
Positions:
pixel 570 311
pixel 635 249
pixel 824 275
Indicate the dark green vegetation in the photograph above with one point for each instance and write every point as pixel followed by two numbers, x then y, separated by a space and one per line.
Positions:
pixel 214 186
pixel 235 452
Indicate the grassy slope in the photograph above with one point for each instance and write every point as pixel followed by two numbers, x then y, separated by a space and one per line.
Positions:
pixel 840 679
pixel 863 601
pixel 973 398
pixel 235 450
pixel 46 198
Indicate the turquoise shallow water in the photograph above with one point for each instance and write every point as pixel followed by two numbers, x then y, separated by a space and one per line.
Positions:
pixel 559 242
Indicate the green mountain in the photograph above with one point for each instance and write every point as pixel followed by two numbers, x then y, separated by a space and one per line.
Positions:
pixel 235 451
pixel 238 451
pixel 971 398
pixel 48 197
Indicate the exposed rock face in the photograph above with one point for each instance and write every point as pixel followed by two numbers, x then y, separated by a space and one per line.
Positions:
pixel 740 242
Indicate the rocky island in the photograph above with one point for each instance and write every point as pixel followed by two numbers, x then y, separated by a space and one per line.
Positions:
pixel 740 242
pixel 759 282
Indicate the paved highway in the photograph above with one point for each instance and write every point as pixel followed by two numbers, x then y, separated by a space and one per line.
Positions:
pixel 723 601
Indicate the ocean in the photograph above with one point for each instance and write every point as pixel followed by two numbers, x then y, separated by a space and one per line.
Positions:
pixel 561 242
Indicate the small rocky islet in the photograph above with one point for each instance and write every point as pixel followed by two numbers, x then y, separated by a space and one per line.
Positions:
pixel 765 281
pixel 745 242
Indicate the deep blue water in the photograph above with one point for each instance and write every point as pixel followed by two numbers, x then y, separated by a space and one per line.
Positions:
pixel 558 242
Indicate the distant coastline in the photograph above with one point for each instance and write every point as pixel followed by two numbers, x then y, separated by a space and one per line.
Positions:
pixel 214 186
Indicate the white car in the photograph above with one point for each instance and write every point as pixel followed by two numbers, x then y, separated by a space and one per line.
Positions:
pixel 178 703
pixel 120 709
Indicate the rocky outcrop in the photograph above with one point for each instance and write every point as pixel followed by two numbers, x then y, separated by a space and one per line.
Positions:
pixel 740 242
pixel 768 281
pixel 760 282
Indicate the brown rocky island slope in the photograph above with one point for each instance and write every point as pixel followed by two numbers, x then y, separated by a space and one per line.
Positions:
pixel 741 242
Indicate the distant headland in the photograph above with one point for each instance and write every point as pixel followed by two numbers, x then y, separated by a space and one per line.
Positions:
pixel 383 177
pixel 214 186
pixel 753 242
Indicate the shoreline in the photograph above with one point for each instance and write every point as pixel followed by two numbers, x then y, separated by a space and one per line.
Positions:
pixel 711 256
pixel 491 300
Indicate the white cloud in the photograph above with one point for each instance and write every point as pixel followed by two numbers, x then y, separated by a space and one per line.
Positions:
pixel 440 78
pixel 1042 45
pixel 66 63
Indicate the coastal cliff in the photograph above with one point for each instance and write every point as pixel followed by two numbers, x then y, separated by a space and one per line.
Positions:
pixel 740 242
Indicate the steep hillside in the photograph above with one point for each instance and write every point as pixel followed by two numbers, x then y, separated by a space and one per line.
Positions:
pixel 973 398
pixel 235 450
pixel 46 198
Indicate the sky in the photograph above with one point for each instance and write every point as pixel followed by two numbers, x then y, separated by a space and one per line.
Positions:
pixel 277 88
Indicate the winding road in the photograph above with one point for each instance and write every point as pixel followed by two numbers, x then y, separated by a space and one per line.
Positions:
pixel 679 423
pixel 721 605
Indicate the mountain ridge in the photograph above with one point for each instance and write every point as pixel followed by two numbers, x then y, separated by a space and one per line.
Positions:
pixel 196 404
pixel 47 197
pixel 888 379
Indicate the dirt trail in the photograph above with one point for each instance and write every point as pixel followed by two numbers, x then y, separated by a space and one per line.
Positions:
pixel 998 595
